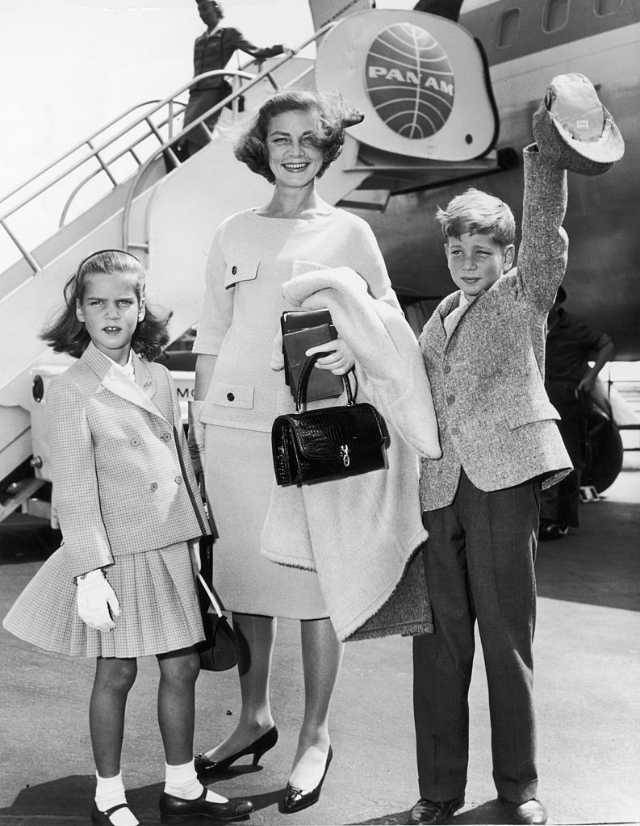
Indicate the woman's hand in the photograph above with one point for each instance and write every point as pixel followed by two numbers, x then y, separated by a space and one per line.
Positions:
pixel 339 358
pixel 195 440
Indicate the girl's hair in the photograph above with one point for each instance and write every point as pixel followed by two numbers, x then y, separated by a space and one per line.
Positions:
pixel 67 334
pixel 477 212
pixel 333 118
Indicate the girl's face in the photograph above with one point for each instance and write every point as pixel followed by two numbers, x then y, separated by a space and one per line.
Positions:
pixel 294 158
pixel 110 311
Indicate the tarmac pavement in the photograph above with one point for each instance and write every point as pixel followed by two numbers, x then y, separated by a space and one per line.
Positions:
pixel 587 655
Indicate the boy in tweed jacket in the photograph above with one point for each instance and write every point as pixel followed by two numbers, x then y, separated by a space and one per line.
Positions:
pixel 484 353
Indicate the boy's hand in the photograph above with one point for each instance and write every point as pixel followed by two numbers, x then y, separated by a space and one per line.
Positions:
pixel 96 601
pixel 339 358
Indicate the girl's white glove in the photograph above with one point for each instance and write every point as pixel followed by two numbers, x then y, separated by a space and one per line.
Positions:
pixel 96 600
pixel 195 438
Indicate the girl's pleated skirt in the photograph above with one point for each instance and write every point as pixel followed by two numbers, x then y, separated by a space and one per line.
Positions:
pixel 158 604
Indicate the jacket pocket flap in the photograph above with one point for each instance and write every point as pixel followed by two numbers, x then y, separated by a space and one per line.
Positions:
pixel 242 270
pixel 534 412
pixel 232 395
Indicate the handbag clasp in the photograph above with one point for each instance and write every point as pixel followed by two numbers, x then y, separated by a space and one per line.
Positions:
pixel 344 455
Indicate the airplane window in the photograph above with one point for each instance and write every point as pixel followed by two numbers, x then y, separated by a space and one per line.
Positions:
pixel 605 7
pixel 508 28
pixel 556 14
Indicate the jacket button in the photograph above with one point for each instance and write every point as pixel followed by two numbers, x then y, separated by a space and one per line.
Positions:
pixel 230 397
pixel 154 486
pixel 135 442
pixel 455 431
pixel 451 399
pixel 178 480
pixel 165 437
pixel 447 369
pixel 234 270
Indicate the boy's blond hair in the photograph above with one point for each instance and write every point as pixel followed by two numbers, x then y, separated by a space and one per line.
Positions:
pixel 477 212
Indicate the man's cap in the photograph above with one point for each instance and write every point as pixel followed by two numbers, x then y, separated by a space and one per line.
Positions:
pixel 573 129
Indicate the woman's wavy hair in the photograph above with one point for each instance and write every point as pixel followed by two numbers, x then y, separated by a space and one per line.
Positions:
pixel 67 334
pixel 333 118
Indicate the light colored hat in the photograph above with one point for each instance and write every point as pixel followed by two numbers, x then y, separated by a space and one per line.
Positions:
pixel 573 130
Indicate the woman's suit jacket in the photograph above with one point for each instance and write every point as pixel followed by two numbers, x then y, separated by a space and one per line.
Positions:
pixel 118 486
pixel 486 376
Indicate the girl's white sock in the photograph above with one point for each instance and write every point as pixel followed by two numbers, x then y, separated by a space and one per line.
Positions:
pixel 182 781
pixel 109 793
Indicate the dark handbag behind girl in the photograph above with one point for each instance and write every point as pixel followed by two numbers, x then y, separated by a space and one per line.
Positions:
pixel 219 651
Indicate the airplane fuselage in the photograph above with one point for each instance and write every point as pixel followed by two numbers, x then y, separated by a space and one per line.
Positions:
pixel 603 275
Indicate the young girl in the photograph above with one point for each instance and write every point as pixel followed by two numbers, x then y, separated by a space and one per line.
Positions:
pixel 122 583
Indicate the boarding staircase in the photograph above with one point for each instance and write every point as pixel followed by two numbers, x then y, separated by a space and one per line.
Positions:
pixel 124 186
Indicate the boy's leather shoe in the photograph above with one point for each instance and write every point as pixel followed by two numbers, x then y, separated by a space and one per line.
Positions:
pixel 548 533
pixel 435 811
pixel 176 809
pixel 531 811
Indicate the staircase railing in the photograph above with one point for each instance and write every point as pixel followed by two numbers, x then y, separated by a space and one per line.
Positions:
pixel 157 122
pixel 267 74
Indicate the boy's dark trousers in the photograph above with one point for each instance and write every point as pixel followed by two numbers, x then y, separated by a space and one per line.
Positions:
pixel 479 564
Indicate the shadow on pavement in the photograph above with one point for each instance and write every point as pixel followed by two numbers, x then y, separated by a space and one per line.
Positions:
pixel 69 800
pixel 486 813
pixel 24 538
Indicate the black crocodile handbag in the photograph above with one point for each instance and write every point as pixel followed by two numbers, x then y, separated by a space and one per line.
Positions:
pixel 327 443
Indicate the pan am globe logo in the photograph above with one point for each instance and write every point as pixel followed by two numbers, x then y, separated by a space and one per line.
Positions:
pixel 409 81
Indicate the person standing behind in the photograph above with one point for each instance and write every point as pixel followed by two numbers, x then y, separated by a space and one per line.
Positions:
pixel 484 353
pixel 568 377
pixel 122 584
pixel 213 50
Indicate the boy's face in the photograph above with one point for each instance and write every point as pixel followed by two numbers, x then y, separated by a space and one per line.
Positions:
pixel 476 262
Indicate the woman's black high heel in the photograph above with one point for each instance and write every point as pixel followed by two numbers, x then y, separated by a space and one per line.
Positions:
pixel 210 768
pixel 296 799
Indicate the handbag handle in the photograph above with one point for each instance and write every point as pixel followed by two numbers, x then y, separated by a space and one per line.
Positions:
pixel 206 530
pixel 304 379
pixel 209 593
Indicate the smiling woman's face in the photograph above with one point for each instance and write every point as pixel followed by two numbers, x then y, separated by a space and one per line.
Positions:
pixel 294 157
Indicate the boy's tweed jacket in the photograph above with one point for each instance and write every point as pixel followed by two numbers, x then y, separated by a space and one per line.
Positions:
pixel 486 377
pixel 117 482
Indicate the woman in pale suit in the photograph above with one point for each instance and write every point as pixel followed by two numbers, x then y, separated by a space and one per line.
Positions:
pixel 122 583
pixel 291 141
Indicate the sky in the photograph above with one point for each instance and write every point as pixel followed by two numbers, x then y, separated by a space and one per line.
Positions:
pixel 67 67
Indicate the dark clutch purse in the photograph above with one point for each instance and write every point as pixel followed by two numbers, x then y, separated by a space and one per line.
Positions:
pixel 328 443
pixel 302 329
pixel 219 651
